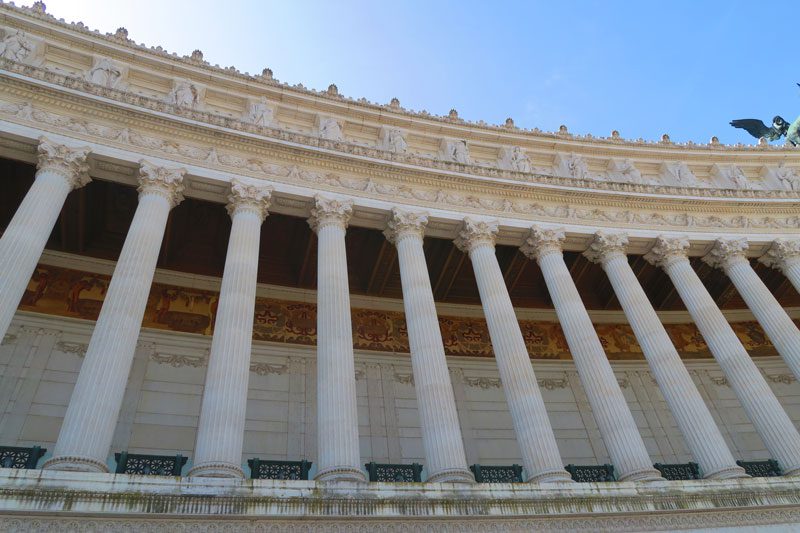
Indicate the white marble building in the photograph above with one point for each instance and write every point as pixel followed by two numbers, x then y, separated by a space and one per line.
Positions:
pixel 386 286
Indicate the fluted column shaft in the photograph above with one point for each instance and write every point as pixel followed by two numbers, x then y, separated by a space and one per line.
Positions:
pixel 337 414
pixel 759 402
pixel 784 254
pixel 445 459
pixel 60 170
pixel 611 412
pixel 730 256
pixel 220 432
pixel 91 417
pixel 685 403
pixel 531 424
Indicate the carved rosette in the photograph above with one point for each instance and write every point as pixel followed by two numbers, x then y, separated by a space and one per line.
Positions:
pixel 167 182
pixel 66 161
pixel 330 211
pixel 666 250
pixel 404 224
pixel 542 242
pixel 781 253
pixel 726 252
pixel 607 246
pixel 251 197
pixel 475 233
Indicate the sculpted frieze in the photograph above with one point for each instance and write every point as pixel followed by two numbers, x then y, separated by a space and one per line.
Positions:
pixel 510 205
pixel 569 171
pixel 107 73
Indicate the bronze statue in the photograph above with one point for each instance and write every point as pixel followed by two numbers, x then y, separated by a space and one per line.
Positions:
pixel 779 128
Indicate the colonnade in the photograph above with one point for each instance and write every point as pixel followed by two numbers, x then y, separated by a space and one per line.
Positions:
pixel 85 438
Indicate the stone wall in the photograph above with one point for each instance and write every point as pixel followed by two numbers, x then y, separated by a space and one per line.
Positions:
pixel 41 356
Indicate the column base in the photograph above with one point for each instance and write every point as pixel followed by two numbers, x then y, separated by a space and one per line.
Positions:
pixel 216 469
pixel 341 473
pixel 728 472
pixel 645 474
pixel 75 463
pixel 792 471
pixel 558 475
pixel 451 475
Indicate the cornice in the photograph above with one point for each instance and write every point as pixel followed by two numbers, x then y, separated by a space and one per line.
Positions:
pixel 582 207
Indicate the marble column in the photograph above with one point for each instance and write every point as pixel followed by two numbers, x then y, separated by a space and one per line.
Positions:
pixel 220 432
pixel 759 402
pixel 687 406
pixel 614 419
pixel 531 424
pixel 88 427
pixel 338 454
pixel 784 254
pixel 729 255
pixel 445 459
pixel 60 169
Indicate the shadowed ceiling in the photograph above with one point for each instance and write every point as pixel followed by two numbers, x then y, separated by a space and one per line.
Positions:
pixel 95 219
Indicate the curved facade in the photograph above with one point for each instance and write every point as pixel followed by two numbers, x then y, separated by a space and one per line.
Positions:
pixel 207 263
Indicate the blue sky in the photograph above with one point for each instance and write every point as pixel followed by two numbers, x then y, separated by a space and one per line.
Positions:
pixel 643 68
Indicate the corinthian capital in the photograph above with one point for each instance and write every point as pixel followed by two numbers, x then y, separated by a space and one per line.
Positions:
pixel 251 197
pixel 666 250
pixel 542 242
pixel 781 252
pixel 66 161
pixel 405 223
pixel 167 182
pixel 726 252
pixel 474 233
pixel 606 246
pixel 330 211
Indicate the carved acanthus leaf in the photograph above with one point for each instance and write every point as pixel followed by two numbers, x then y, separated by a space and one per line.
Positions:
pixel 249 196
pixel 328 211
pixel 69 162
pixel 667 249
pixel 168 182
pixel 542 241
pixel 606 245
pixel 403 223
pixel 781 252
pixel 726 252
pixel 474 233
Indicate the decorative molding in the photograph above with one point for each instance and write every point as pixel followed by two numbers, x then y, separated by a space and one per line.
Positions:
pixel 482 382
pixel 264 369
pixel 179 360
pixel 392 192
pixel 76 348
